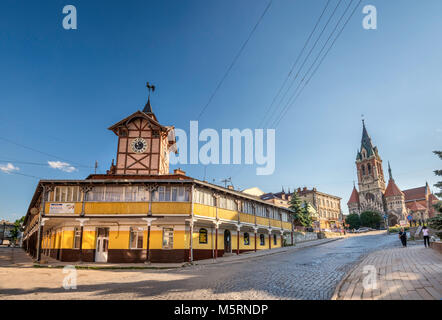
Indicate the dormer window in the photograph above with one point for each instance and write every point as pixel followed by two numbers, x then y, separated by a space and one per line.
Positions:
pixel 155 134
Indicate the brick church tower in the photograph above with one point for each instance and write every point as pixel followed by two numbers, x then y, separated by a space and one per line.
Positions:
pixel 371 180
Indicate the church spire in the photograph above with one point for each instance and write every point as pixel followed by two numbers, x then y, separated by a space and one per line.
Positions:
pixel 389 171
pixel 366 141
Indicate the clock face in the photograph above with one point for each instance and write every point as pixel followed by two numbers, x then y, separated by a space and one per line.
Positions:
pixel 139 145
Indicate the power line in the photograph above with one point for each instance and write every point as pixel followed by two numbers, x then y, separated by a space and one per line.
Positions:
pixel 25 162
pixel 320 62
pixel 296 62
pixel 307 57
pixel 42 152
pixel 234 60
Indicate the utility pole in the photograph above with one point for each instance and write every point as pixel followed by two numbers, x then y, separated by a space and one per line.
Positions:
pixel 226 180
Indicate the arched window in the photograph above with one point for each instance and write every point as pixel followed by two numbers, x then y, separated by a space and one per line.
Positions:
pixel 275 241
pixel 203 235
pixel 262 239
pixel 363 170
pixel 369 168
pixel 246 239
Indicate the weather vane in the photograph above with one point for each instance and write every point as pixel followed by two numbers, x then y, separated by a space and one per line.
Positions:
pixel 150 88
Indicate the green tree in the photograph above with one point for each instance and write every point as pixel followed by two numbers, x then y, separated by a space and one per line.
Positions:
pixel 17 228
pixel 371 219
pixel 305 217
pixel 296 206
pixel 353 221
pixel 439 174
pixel 436 223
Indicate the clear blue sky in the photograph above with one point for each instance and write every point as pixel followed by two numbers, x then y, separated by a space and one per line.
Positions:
pixel 60 90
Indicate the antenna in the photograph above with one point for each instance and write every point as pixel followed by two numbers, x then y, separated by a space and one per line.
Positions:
pixel 229 179
pixel 96 166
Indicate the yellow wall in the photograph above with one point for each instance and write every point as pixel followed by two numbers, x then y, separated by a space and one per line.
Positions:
pixel 119 239
pixel 249 218
pixel 171 207
pixel 262 221
pixel 116 207
pixel 227 214
pixel 67 241
pixel 88 240
pixel 203 210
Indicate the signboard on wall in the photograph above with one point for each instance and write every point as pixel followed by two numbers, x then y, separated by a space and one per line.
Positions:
pixel 61 207
pixel 403 223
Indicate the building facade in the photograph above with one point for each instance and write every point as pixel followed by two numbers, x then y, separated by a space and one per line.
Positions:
pixel 325 209
pixel 138 212
pixel 327 206
pixel 388 200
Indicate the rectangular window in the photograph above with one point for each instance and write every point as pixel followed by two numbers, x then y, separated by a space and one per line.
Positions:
pixel 167 238
pixel 136 238
pixel 77 236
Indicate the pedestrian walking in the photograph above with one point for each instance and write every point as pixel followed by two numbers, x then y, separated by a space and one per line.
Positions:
pixel 426 235
pixel 403 237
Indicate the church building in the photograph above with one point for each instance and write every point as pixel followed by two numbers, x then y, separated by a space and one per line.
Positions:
pixel 139 212
pixel 374 195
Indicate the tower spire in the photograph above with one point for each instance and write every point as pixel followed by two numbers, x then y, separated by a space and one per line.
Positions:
pixel 389 171
pixel 148 107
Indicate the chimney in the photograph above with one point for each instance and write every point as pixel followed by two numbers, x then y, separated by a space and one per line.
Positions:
pixel 304 189
pixel 230 187
pixel 179 172
pixel 299 190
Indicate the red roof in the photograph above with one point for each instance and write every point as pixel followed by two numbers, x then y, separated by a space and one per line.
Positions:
pixel 414 206
pixel 392 189
pixel 414 194
pixel 354 198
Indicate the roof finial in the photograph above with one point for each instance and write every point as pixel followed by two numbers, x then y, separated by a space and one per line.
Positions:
pixel 148 107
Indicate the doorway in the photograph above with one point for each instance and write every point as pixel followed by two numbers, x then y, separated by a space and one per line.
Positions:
pixel 102 245
pixel 227 242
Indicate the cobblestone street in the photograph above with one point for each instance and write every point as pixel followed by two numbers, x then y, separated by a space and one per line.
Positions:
pixel 310 273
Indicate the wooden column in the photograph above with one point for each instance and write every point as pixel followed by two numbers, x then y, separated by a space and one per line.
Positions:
pixel 216 241
pixel 148 244
pixel 149 223
pixel 270 240
pixel 81 242
pixel 255 239
pixel 191 242
pixel 237 243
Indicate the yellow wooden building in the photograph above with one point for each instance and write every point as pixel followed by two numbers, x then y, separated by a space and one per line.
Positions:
pixel 138 212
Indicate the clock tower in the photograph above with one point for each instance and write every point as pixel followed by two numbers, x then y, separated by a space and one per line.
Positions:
pixel 143 143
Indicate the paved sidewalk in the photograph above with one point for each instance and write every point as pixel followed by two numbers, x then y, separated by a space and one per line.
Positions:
pixel 412 273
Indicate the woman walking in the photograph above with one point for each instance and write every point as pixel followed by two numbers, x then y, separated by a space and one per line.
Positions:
pixel 426 234
pixel 403 237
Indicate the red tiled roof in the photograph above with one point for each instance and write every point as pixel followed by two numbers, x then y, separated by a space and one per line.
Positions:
pixel 137 177
pixel 414 206
pixel 354 198
pixel 414 194
pixel 392 189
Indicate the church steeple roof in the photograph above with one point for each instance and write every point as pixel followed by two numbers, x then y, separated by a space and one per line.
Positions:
pixel 392 188
pixel 366 141
pixel 354 198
